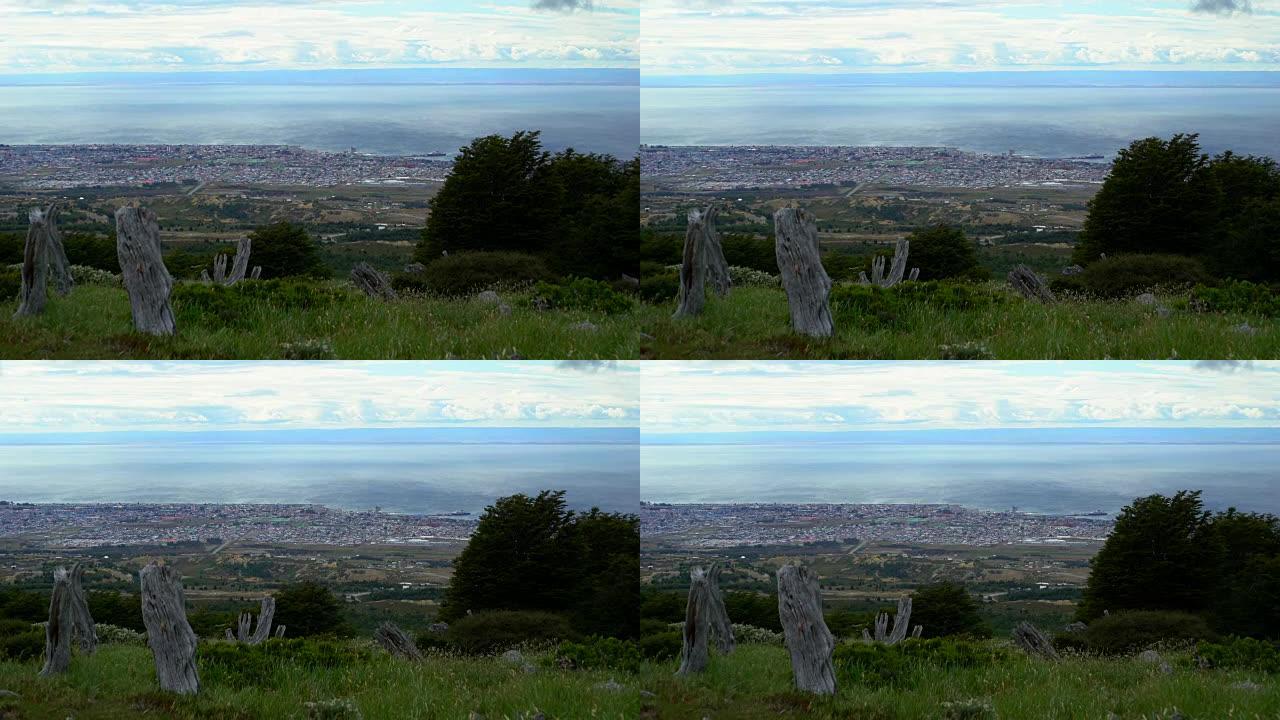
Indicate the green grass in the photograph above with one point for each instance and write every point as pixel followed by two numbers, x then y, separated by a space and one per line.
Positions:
pixel 94 323
pixel 755 683
pixel 119 682
pixel 754 322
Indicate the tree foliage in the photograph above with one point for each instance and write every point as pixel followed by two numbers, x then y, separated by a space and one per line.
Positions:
pixel 942 252
pixel 946 608
pixel 285 249
pixel 308 608
pixel 532 553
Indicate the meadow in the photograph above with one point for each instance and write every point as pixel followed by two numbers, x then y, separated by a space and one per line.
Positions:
pixel 988 322
pixel 754 682
pixel 93 322
pixel 119 682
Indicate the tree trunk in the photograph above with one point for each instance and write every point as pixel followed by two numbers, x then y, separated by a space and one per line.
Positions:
pixel 803 277
pixel 57 635
pixel 1033 642
pixel 717 267
pixel 373 282
pixel 265 615
pixel 896 270
pixel 82 622
pixel 397 642
pixel 240 265
pixel 808 639
pixel 693 269
pixel 1030 285
pixel 57 254
pixel 721 628
pixel 901 623
pixel 35 281
pixel 257 272
pixel 280 631
pixel 697 624
pixel 170 636
pixel 145 276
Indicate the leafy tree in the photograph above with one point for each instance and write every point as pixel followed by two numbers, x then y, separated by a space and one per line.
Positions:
pixel 749 608
pixel 309 608
pixel 946 608
pixel 113 608
pixel 97 251
pixel 285 249
pixel 941 252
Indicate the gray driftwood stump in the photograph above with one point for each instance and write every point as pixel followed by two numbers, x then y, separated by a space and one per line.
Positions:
pixel 397 642
pixel 57 254
pixel 808 639
pixel 901 621
pixel 239 266
pixel 172 641
pixel 1033 641
pixel 262 631
pixel 697 624
pixel 896 270
pixel 717 266
pixel 803 277
pixel 372 282
pixel 35 264
pixel 145 276
pixel 57 635
pixel 721 628
pixel 693 269
pixel 85 631
pixel 1030 285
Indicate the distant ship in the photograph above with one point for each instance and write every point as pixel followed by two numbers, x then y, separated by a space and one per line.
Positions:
pixel 435 154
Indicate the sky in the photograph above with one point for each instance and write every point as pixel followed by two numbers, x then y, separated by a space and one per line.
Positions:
pixel 726 397
pixel 60 397
pixel 179 35
pixel 824 36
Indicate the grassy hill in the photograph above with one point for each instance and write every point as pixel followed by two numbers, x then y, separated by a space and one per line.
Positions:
pixel 119 682
pixel 755 683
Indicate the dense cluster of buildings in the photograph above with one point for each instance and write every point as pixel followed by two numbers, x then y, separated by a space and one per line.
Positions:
pixel 54 167
pixel 710 525
pixel 93 525
pixel 718 168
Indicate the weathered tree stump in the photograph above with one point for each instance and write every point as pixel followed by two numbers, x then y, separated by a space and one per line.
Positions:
pixel 57 635
pixel 1030 285
pixel 145 276
pixel 173 643
pixel 901 621
pixel 257 273
pixel 56 253
pixel 896 270
pixel 34 290
pixel 697 624
pixel 808 639
pixel 693 268
pixel 280 631
pixel 85 632
pixel 717 266
pixel 397 642
pixel 721 628
pixel 1033 641
pixel 373 282
pixel 239 266
pixel 262 631
pixel 803 277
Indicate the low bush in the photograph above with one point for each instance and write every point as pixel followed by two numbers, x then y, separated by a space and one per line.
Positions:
pixel 1241 653
pixel 10 284
pixel 1238 296
pixel 88 275
pixel 1132 631
pixel 1129 275
pixel 234 306
pixel 411 283
pixel 654 288
pixel 750 277
pixel 21 642
pixel 881 665
pixel 496 630
pixel 471 272
pixel 116 635
pixel 584 294
pixel 661 646
pixel 240 664
pixel 599 653
pixel 868 307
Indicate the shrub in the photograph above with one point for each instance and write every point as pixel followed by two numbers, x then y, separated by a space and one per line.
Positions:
pixel 868 307
pixel 880 665
pixel 285 249
pixel 599 653
pixel 750 634
pixel 410 283
pixel 661 646
pixel 950 295
pixel 584 294
pixel 87 275
pixel 654 288
pixel 470 272
pixel 235 306
pixel 1239 296
pixel 115 635
pixel 1126 632
pixel 239 664
pixel 943 252
pixel 1241 653
pixel 750 277
pixel 22 644
pixel 11 284
pixel 1128 275
pixel 495 630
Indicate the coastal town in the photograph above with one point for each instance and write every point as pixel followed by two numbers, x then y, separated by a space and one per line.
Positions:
pixel 710 525
pixel 720 168
pixel 84 525
pixel 58 167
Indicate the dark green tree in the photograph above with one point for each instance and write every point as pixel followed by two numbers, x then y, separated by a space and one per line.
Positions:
pixel 942 252
pixel 1154 559
pixel 285 249
pixel 309 608
pixel 946 608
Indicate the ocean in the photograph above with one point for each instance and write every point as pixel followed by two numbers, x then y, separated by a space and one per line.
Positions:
pixel 388 113
pixel 402 478
pixel 1054 478
pixel 1038 121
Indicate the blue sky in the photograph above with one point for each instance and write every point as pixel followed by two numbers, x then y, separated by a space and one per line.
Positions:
pixel 709 397
pixel 740 36
pixel 175 35
pixel 52 397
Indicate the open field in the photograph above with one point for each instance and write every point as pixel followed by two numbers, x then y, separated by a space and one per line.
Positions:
pixel 94 323
pixel 755 682
pixel 753 322
pixel 119 682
